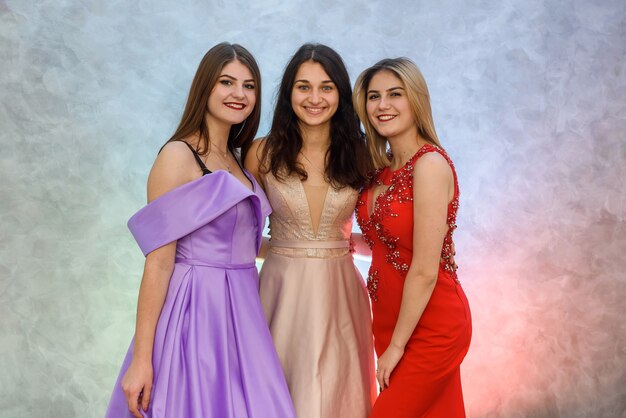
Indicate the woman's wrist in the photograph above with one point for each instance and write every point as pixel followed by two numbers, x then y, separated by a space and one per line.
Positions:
pixel 397 345
pixel 141 356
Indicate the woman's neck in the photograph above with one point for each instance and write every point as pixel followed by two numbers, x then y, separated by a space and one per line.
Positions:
pixel 403 147
pixel 315 138
pixel 218 133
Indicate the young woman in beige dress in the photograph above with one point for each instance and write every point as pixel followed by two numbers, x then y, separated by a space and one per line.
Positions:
pixel 312 164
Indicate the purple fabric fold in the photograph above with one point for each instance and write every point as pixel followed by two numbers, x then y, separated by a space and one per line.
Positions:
pixel 194 204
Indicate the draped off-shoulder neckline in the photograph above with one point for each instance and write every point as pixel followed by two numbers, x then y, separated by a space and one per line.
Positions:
pixel 212 175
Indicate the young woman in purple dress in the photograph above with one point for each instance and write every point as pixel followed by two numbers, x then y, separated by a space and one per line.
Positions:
pixel 202 347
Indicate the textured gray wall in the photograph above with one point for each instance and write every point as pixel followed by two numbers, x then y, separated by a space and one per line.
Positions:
pixel 529 99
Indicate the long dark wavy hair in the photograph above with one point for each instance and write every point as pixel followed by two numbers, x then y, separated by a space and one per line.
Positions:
pixel 347 159
pixel 193 120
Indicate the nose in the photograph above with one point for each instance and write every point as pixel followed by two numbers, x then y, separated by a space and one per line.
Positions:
pixel 315 97
pixel 383 104
pixel 238 92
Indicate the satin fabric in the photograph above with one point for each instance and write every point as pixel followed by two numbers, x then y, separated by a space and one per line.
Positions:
pixel 316 303
pixel 213 355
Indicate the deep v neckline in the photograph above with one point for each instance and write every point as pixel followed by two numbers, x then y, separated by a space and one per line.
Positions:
pixel 305 202
pixel 372 202
pixel 392 179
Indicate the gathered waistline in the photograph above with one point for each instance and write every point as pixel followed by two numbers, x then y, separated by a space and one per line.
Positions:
pixel 310 244
pixel 216 264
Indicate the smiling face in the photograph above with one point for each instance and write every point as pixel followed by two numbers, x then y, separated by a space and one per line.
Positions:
pixel 233 97
pixel 314 96
pixel 387 106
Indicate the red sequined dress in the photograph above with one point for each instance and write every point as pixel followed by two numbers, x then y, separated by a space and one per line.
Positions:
pixel 427 381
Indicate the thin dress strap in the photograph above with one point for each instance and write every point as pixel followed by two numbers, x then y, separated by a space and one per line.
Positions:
pixel 205 170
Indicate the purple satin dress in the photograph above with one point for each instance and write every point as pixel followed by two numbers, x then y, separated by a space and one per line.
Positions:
pixel 213 355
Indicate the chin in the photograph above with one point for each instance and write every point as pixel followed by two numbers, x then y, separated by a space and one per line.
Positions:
pixel 315 121
pixel 235 120
pixel 386 132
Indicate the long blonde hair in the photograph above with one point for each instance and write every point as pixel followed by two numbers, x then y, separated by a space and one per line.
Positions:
pixel 417 95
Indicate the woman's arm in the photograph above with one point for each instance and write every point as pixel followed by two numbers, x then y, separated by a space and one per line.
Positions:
pixel 137 381
pixel 265 247
pixel 433 188
pixel 362 251
pixel 171 169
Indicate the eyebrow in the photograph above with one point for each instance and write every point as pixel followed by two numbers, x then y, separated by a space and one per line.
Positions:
pixel 234 78
pixel 307 81
pixel 388 90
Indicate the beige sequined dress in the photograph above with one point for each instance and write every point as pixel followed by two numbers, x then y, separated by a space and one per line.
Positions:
pixel 315 301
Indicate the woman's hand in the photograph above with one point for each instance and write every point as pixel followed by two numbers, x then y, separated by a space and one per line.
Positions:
pixel 387 363
pixel 137 385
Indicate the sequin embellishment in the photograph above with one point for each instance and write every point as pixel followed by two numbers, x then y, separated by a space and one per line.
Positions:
pixel 400 190
pixel 372 284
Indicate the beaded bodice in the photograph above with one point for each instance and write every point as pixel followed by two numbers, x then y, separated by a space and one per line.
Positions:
pixel 291 218
pixel 390 225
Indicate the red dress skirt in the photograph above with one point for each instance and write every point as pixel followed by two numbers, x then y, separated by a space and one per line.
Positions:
pixel 427 380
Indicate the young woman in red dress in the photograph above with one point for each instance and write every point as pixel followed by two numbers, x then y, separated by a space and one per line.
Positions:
pixel 422 323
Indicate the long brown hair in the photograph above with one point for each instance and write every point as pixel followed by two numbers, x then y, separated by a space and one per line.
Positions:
pixel 416 93
pixel 193 120
pixel 347 160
